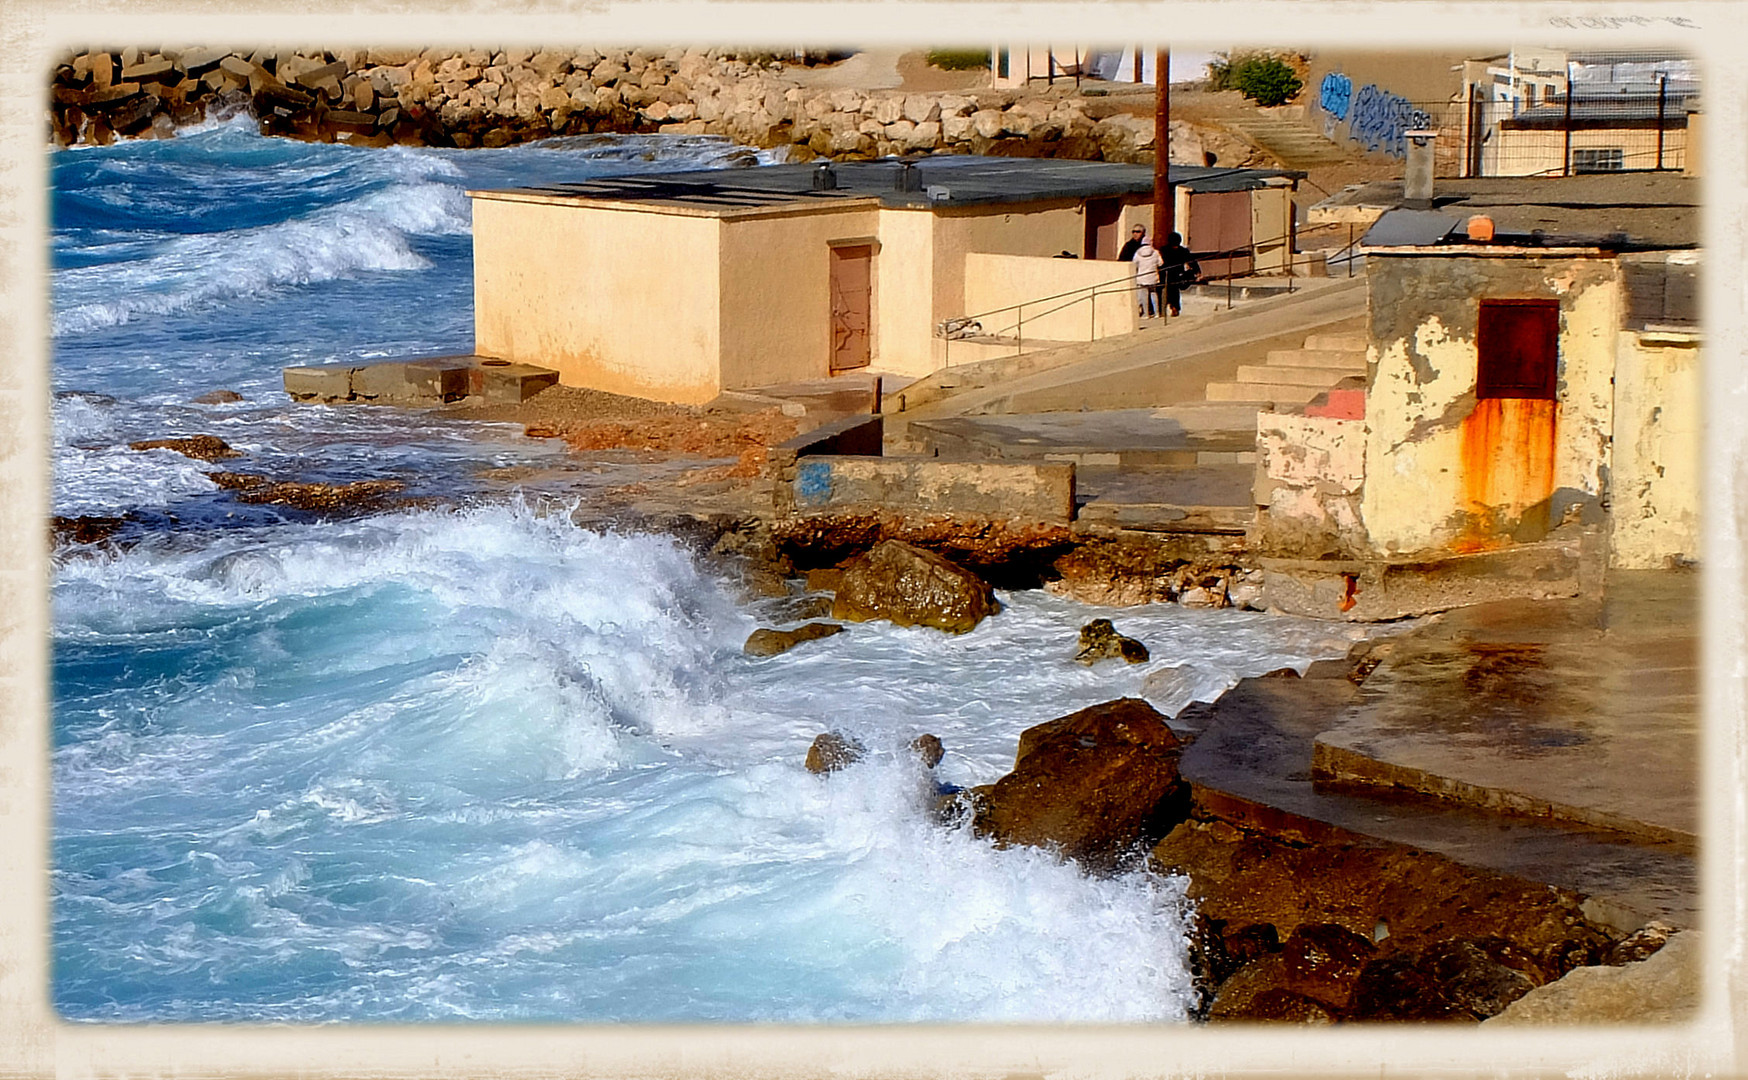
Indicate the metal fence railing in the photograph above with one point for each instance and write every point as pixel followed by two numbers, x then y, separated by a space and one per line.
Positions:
pixel 1591 130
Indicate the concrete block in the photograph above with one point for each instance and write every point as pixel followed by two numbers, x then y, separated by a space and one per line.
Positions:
pixel 386 383
pixel 1032 492
pixel 438 380
pixel 513 382
pixel 325 382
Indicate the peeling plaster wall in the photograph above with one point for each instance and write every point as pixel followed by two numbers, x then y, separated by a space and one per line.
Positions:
pixel 1315 469
pixel 1657 451
pixel 1423 315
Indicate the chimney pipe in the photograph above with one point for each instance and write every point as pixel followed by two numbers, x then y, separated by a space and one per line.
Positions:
pixel 1417 181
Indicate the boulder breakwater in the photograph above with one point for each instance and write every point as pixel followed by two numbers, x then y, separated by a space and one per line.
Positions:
pixel 494 98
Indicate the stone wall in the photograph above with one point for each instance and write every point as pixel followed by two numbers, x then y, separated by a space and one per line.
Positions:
pixel 497 97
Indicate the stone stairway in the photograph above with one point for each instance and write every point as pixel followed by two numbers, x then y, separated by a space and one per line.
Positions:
pixel 1293 143
pixel 1295 376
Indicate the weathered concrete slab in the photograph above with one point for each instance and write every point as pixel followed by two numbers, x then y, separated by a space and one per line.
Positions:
pixel 1109 437
pixel 320 382
pixel 1594 721
pixel 1383 590
pixel 500 381
pixel 1036 492
pixel 424 381
pixel 858 436
pixel 1210 498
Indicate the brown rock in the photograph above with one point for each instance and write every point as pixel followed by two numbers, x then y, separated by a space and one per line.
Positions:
pixel 1095 785
pixel 767 642
pixel 1259 991
pixel 1322 961
pixel 199 447
pixel 318 497
pixel 1641 943
pixel 929 748
pixel 218 397
pixel 1099 640
pixel 912 587
pixel 832 751
pixel 1421 898
pixel 85 529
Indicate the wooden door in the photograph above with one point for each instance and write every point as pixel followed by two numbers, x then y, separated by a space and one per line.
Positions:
pixel 1508 441
pixel 852 306
pixel 1104 229
pixel 1218 231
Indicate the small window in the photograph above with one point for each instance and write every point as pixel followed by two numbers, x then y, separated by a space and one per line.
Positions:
pixel 1595 161
pixel 1518 344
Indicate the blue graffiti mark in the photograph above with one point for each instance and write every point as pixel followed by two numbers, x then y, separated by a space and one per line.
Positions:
pixel 1335 94
pixel 813 483
pixel 1380 119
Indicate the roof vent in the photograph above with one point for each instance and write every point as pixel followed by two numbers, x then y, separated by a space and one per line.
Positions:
pixel 825 178
pixel 1480 228
pixel 908 178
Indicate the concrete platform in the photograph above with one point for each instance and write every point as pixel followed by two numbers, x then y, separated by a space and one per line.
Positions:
pixel 1583 713
pixel 1102 438
pixel 1570 728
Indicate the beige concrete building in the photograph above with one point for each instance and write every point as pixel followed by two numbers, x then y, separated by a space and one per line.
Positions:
pixel 1533 362
pixel 679 286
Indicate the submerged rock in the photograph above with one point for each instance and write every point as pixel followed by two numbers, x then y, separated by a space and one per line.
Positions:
pixel 832 751
pixel 1099 640
pixel 218 397
pixel 911 587
pixel 199 447
pixel 1096 785
pixel 767 642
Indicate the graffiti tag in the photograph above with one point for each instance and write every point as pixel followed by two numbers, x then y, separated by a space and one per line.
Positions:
pixel 1335 94
pixel 1380 120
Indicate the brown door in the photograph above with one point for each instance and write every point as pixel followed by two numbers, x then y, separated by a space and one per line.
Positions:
pixel 852 306
pixel 1219 231
pixel 1508 441
pixel 1104 228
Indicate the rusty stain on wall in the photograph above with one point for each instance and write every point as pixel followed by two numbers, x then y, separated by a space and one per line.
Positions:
pixel 1508 447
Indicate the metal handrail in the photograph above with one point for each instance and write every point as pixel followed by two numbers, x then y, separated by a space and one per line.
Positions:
pixel 1090 293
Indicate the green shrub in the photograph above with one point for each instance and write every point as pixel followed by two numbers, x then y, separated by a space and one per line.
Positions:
pixel 958 59
pixel 1266 80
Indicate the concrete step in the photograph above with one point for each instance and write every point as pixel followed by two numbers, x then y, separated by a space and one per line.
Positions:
pixel 1341 359
pixel 1322 378
pixel 1269 393
pixel 1343 342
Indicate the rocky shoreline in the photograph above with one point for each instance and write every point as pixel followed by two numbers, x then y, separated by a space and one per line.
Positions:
pixel 1295 921
pixel 494 98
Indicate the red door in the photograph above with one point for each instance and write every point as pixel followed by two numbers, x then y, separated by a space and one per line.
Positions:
pixel 852 306
pixel 1104 229
pixel 1220 222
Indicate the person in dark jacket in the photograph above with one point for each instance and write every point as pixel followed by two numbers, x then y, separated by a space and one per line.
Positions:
pixel 1137 237
pixel 1181 268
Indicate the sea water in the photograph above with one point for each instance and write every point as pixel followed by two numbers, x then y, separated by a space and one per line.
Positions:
pixel 487 765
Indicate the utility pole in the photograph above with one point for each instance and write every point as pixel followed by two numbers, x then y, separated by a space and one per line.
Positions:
pixel 1164 222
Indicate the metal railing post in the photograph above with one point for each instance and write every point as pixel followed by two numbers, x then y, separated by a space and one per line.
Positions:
pixel 1350 250
pixel 1662 112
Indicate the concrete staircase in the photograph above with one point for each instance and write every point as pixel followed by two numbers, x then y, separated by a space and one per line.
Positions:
pixel 1292 142
pixel 1295 376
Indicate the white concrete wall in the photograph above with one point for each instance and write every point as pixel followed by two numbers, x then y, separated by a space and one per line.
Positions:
pixel 1000 281
pixel 1658 442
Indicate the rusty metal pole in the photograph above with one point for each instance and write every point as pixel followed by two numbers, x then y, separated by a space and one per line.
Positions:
pixel 1662 115
pixel 1139 53
pixel 1164 210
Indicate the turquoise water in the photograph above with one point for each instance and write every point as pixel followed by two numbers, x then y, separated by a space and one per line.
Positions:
pixel 482 764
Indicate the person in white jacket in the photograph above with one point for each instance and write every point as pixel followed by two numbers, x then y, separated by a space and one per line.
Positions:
pixel 1148 263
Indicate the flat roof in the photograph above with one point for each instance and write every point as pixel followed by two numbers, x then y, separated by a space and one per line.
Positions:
pixel 957 180
pixel 1616 211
